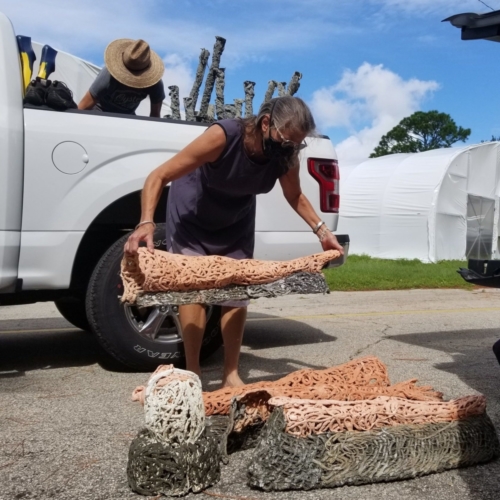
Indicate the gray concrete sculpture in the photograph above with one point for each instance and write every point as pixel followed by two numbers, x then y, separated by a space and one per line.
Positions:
pixel 219 92
pixel 200 73
pixel 189 109
pixel 249 88
pixel 270 90
pixel 238 108
pixel 174 102
pixel 281 89
pixel 230 111
pixel 210 113
pixel 210 81
pixel 294 84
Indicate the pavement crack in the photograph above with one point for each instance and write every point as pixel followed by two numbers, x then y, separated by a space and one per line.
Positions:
pixel 383 337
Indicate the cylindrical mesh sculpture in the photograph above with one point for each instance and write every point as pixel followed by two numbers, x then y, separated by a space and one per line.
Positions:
pixel 175 453
pixel 164 271
pixel 285 462
pixel 379 432
pixel 173 406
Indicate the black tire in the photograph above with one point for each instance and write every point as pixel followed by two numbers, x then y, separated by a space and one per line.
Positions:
pixel 121 329
pixel 73 309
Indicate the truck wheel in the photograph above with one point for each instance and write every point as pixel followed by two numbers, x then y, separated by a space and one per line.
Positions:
pixel 140 338
pixel 72 309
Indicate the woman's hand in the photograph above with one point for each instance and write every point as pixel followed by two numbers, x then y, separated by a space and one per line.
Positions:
pixel 204 149
pixel 142 233
pixel 329 242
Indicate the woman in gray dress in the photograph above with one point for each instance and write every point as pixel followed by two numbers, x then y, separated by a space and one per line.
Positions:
pixel 211 205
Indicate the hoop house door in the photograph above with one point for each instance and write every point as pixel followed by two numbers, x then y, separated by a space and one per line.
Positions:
pixel 480 220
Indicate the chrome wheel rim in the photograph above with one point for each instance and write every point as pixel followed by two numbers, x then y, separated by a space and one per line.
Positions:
pixel 158 324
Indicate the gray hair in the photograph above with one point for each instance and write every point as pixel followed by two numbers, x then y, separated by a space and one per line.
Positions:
pixel 287 113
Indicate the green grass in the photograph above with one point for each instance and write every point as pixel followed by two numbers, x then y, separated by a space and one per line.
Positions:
pixel 361 272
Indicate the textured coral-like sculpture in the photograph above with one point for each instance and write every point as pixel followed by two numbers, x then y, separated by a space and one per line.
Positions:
pixel 173 406
pixel 284 462
pixel 358 379
pixel 307 417
pixel 253 408
pixel 175 453
pixel 163 271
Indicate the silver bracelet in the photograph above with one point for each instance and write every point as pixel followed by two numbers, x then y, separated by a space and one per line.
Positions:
pixel 146 222
pixel 317 226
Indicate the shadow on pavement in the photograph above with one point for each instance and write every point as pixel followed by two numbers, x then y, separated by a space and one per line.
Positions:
pixel 25 351
pixel 262 332
pixel 475 364
pixel 31 344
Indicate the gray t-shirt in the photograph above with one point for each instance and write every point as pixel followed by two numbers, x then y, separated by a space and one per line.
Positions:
pixel 115 97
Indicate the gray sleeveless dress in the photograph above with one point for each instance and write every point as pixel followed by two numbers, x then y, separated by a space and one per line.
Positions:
pixel 211 211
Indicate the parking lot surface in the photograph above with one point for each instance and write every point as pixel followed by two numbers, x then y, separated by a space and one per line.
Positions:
pixel 66 423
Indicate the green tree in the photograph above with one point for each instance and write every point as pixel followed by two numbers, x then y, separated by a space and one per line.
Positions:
pixel 493 138
pixel 420 132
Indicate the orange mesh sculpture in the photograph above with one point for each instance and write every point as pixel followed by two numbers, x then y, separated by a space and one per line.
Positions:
pixel 358 379
pixel 359 428
pixel 361 378
pixel 163 271
pixel 254 408
pixel 306 417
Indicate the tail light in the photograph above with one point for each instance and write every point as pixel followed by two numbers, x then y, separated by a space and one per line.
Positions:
pixel 326 172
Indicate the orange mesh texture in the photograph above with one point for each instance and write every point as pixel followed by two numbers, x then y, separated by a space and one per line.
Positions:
pixel 307 417
pixel 256 409
pixel 339 382
pixel 166 272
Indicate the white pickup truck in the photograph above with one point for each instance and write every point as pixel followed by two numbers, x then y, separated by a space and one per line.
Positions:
pixel 70 193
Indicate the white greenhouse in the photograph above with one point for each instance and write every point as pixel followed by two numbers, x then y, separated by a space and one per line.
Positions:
pixel 436 205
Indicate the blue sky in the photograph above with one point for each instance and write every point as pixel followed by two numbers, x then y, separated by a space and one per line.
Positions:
pixel 366 64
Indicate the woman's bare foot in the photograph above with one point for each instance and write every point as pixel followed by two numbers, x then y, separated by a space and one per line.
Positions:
pixel 232 380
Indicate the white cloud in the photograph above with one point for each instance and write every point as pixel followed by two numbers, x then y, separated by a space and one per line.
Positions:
pixel 178 72
pixel 368 102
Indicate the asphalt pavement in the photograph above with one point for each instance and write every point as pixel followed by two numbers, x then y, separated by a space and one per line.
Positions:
pixel 66 423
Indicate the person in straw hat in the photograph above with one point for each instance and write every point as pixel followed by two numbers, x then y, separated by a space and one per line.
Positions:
pixel 133 72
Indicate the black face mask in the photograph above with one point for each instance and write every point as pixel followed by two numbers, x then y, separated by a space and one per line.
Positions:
pixel 273 150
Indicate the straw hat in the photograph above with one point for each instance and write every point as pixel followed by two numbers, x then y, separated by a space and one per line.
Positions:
pixel 133 63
